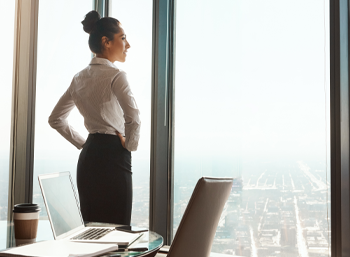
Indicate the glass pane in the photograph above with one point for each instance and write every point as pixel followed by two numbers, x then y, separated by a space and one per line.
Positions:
pixel 6 66
pixel 138 67
pixel 62 52
pixel 252 103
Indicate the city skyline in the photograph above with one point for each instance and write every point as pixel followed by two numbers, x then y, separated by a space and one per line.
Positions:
pixel 277 211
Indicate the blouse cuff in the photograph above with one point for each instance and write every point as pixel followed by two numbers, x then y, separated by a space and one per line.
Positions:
pixel 132 136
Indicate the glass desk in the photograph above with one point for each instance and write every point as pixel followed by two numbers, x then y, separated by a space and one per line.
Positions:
pixel 150 240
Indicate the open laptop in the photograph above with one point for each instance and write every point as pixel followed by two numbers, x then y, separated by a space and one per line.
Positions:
pixel 66 221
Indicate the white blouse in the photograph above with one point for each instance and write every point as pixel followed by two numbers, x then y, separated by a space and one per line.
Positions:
pixel 103 96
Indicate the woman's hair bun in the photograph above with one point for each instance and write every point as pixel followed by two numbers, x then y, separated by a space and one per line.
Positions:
pixel 90 20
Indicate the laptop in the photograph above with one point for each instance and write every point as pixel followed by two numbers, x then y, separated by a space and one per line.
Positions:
pixel 66 221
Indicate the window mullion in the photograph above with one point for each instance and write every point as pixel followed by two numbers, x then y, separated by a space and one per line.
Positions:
pixel 161 177
pixel 340 153
pixel 102 7
pixel 23 108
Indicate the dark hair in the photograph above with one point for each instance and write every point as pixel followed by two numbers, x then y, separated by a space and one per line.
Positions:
pixel 99 27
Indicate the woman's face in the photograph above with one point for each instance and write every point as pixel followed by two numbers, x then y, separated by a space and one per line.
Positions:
pixel 116 50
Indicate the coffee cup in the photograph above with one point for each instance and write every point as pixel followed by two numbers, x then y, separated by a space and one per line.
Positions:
pixel 26 218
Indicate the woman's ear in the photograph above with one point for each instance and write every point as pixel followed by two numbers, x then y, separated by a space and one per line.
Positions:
pixel 105 42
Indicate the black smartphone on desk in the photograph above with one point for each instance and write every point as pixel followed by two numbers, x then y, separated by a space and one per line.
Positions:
pixel 131 229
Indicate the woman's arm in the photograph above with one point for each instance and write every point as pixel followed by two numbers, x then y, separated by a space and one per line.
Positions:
pixel 58 120
pixel 122 91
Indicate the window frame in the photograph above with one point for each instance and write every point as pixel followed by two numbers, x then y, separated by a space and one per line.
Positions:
pixel 339 119
pixel 23 108
pixel 162 128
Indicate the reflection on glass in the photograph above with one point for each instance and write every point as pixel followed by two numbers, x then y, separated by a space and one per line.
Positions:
pixel 252 103
pixel 62 52
pixel 138 67
pixel 6 65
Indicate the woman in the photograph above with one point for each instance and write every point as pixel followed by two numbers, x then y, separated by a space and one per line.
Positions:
pixel 102 94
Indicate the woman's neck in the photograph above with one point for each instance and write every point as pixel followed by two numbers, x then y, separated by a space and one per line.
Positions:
pixel 104 56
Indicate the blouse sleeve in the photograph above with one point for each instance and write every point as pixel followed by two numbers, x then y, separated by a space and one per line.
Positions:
pixel 58 120
pixel 122 91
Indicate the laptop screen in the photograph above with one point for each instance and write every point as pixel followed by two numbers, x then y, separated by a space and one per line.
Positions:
pixel 62 206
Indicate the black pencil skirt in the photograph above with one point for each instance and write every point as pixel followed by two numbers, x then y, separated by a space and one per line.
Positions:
pixel 104 180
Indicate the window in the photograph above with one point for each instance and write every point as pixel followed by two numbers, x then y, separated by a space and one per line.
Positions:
pixel 62 52
pixel 138 67
pixel 6 67
pixel 251 78
pixel 252 103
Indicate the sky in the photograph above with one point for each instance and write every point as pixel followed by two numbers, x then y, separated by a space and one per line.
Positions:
pixel 251 77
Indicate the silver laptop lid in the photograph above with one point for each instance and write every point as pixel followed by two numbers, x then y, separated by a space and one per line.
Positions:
pixel 61 204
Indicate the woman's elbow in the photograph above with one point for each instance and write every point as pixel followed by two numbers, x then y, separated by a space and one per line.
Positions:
pixel 51 122
pixel 55 123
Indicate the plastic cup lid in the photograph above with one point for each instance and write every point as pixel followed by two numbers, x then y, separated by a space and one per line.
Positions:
pixel 26 207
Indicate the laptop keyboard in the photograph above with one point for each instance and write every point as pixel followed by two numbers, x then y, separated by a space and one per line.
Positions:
pixel 92 234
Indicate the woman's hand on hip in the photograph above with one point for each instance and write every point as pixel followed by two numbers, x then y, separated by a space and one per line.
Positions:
pixel 122 139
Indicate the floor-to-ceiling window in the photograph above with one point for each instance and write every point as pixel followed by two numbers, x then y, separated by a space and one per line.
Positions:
pixel 251 102
pixel 250 94
pixel 6 44
pixel 136 19
pixel 59 58
pixel 62 52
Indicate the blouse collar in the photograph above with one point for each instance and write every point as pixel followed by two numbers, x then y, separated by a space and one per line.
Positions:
pixel 97 60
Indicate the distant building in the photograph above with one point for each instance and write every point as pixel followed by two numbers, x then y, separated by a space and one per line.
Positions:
pixel 288 236
pixel 237 184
